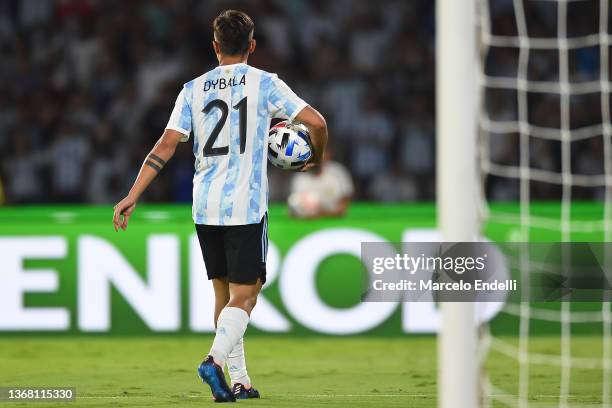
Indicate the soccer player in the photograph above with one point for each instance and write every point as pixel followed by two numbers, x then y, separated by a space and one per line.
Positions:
pixel 325 192
pixel 229 110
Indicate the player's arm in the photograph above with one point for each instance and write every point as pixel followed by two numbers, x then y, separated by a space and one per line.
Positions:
pixel 154 162
pixel 315 122
pixel 282 100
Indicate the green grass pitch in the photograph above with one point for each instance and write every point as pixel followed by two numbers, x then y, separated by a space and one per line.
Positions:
pixel 289 371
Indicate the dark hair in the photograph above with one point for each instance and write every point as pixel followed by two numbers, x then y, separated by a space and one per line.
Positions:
pixel 232 30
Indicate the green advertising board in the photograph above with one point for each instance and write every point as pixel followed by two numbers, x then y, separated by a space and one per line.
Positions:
pixel 65 270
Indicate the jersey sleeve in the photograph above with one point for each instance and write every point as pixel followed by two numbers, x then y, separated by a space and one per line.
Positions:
pixel 180 119
pixel 282 101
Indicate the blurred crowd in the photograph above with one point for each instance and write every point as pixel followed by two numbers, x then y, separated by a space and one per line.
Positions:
pixel 87 86
pixel 582 112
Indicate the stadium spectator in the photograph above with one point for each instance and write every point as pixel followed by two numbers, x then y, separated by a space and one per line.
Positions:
pixel 372 137
pixel 324 192
pixel 67 157
pixel 21 170
pixel 393 186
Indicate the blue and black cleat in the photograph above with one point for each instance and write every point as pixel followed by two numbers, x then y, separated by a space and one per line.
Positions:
pixel 241 392
pixel 213 375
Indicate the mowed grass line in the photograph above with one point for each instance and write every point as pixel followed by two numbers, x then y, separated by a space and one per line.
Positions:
pixel 289 371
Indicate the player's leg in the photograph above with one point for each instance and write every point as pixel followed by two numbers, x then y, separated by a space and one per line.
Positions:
pixel 246 248
pixel 236 365
pixel 231 325
pixel 213 251
pixel 222 295
pixel 233 319
pixel 244 296
pixel 236 360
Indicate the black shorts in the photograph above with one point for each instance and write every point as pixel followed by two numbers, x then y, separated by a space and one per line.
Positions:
pixel 235 252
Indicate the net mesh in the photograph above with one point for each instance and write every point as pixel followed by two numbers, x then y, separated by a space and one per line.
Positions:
pixel 545 132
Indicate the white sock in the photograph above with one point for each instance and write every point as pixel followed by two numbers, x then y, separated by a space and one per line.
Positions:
pixel 236 364
pixel 231 325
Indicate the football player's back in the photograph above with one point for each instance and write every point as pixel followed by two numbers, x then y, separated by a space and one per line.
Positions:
pixel 229 110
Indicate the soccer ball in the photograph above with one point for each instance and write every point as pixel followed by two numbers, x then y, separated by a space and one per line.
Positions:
pixel 289 146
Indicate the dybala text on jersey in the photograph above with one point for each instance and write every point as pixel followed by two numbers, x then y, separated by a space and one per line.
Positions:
pixel 223 83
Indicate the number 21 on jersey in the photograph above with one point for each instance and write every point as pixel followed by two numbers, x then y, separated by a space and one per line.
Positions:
pixel 209 150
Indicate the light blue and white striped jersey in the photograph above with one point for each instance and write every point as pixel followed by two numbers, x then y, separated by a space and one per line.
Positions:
pixel 229 110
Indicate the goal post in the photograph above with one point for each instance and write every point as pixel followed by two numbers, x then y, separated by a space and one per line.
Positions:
pixel 457 107
pixel 469 137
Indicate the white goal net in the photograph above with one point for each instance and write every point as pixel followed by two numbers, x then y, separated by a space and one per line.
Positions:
pixel 545 134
